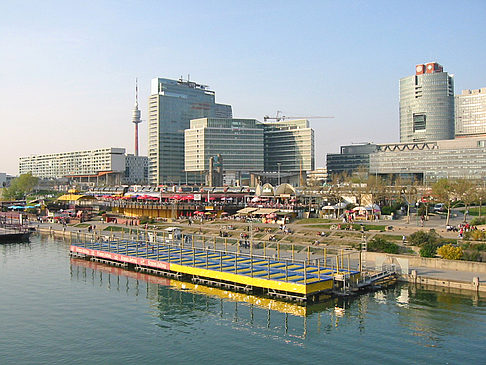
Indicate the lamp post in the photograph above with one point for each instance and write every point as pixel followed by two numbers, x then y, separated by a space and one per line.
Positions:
pixel 278 166
pixel 480 201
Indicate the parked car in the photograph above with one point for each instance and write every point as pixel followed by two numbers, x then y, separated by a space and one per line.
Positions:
pixel 439 207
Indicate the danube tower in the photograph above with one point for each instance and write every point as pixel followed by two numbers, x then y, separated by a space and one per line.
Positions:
pixel 136 117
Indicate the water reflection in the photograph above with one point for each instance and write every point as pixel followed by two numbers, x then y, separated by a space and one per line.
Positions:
pixel 177 301
pixel 421 314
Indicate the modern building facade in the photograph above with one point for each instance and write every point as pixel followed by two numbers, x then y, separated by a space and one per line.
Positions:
pixel 418 161
pixel 238 141
pixel 136 169
pixel 470 113
pixel 428 162
pixel 172 104
pixel 351 159
pixel 89 163
pixel 289 146
pixel 427 104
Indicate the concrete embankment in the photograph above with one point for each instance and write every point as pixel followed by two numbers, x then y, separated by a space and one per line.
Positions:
pixel 474 285
pixel 463 275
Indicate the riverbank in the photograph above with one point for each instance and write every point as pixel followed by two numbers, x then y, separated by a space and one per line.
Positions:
pixel 461 275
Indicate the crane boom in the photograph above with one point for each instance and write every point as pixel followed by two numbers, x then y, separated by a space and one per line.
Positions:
pixel 278 117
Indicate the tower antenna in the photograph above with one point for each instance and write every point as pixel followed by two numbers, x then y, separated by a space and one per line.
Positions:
pixel 136 116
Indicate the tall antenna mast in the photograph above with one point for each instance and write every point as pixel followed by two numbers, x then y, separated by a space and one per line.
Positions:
pixel 136 117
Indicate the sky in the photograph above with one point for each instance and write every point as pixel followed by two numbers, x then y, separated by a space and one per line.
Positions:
pixel 68 69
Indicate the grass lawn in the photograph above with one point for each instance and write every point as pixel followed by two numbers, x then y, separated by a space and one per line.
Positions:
pixel 389 237
pixel 118 229
pixel 475 211
pixel 314 220
pixel 82 225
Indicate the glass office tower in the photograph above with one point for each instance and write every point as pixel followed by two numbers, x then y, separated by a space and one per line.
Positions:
pixel 427 105
pixel 289 146
pixel 172 104
pixel 471 113
pixel 238 141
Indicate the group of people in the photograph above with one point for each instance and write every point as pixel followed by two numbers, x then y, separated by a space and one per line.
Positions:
pixel 285 229
pixel 461 229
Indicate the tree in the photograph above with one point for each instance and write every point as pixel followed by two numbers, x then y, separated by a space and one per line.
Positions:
pixel 444 191
pixel 20 186
pixel 409 193
pixel 450 252
pixel 465 190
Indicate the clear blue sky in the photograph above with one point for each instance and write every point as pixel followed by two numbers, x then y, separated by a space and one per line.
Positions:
pixel 67 69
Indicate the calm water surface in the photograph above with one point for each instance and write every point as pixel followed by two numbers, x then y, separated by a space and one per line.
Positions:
pixel 54 309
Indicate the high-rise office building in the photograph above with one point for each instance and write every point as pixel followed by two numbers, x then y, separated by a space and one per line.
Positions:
pixel 470 109
pixel 427 104
pixel 172 104
pixel 238 141
pixel 289 146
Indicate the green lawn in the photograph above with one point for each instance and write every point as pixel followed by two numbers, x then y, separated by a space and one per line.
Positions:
pixel 82 225
pixel 314 220
pixel 475 211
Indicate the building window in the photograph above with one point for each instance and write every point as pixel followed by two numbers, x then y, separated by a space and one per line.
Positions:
pixel 419 121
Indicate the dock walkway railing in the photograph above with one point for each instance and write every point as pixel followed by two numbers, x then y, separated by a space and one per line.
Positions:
pixel 194 251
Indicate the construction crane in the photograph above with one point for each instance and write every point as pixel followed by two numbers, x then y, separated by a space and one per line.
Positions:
pixel 279 117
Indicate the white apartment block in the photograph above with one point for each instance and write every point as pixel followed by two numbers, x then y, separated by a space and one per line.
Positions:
pixel 58 165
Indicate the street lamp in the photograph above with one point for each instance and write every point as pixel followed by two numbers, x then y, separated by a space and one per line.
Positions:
pixel 278 165
pixel 480 201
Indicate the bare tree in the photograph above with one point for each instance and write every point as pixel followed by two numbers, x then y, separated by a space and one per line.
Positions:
pixel 444 191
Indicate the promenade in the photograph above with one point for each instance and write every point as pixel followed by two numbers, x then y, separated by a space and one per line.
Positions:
pixel 439 276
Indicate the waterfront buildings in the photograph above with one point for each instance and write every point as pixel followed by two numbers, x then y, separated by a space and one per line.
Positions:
pixel 89 163
pixel 317 176
pixel 427 150
pixel 136 169
pixel 247 145
pixel 289 146
pixel 418 161
pixel 350 159
pixel 470 113
pixel 427 104
pixel 238 141
pixel 172 104
pixel 428 162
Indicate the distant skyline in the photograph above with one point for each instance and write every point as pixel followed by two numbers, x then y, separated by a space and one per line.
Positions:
pixel 68 69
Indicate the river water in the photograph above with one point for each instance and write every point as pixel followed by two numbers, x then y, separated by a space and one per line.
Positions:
pixel 54 309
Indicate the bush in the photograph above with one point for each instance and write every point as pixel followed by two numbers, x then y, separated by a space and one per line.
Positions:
pixel 478 221
pixel 421 238
pixel 475 235
pixel 480 247
pixel 428 249
pixel 450 252
pixel 386 210
pixel 471 256
pixel 378 244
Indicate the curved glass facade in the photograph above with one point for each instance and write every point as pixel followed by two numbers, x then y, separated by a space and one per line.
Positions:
pixel 427 107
